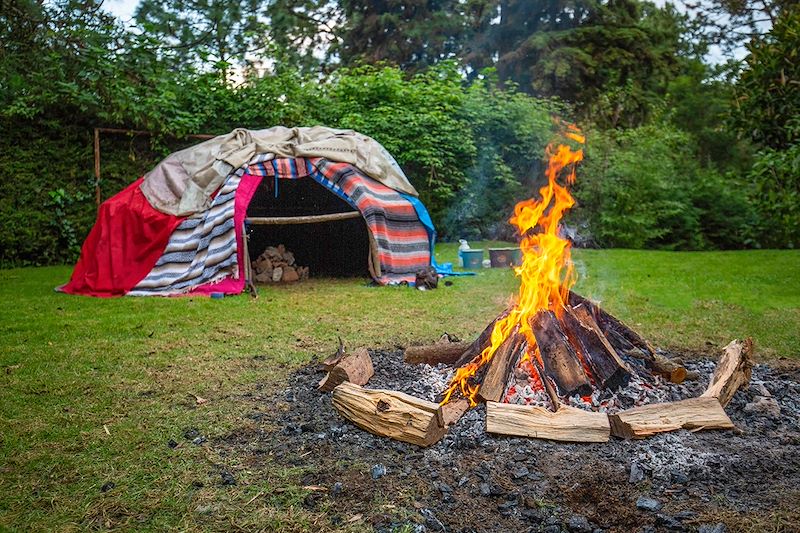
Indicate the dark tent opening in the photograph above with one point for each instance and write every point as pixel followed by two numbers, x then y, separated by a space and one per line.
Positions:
pixel 337 248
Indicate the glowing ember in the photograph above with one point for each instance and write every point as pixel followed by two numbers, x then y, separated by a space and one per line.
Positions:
pixel 546 272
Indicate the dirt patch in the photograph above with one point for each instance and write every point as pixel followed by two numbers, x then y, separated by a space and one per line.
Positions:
pixel 471 481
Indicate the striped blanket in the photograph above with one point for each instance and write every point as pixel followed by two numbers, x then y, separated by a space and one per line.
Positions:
pixel 200 251
pixel 401 243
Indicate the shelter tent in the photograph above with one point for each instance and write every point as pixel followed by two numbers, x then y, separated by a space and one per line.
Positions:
pixel 180 228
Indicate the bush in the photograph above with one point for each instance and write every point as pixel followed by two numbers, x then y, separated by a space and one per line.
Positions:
pixel 641 188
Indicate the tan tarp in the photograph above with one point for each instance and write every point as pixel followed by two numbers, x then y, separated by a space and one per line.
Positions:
pixel 182 184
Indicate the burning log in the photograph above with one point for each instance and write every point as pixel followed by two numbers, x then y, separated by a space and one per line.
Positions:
pixel 505 358
pixel 624 340
pixel 433 354
pixel 732 372
pixel 558 357
pixel 608 369
pixel 481 342
pixel 566 424
pixel 391 414
pixel 355 368
pixel 694 413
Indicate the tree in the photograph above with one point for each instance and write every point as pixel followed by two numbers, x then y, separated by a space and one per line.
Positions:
pixel 767 104
pixel 411 34
pixel 202 32
pixel 612 57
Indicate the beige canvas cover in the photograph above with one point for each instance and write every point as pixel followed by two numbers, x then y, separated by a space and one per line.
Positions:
pixel 182 184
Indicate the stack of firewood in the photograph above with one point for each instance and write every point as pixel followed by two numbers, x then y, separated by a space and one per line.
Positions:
pixel 276 264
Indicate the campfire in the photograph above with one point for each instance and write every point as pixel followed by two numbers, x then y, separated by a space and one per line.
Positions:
pixel 553 365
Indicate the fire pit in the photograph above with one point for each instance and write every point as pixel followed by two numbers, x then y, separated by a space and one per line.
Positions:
pixel 554 365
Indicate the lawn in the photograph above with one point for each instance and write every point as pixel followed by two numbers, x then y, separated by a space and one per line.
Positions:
pixel 93 390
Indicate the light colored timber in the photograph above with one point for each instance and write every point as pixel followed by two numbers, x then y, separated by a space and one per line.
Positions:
pixel 307 219
pixel 732 372
pixel 694 413
pixel 433 354
pixel 355 368
pixel 566 424
pixel 390 414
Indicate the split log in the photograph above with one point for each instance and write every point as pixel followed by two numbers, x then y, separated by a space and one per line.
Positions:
pixel 480 344
pixel 566 424
pixel 608 369
pixel 648 420
pixel 732 372
pixel 355 368
pixel 626 341
pixel 559 358
pixel 453 410
pixel 333 360
pixel 433 354
pixel 390 414
pixel 495 380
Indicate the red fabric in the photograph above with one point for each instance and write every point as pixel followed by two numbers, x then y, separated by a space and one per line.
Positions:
pixel 123 246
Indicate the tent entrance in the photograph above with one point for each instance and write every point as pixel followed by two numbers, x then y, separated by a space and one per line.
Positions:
pixel 323 231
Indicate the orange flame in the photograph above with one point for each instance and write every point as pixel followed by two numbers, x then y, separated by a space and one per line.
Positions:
pixel 546 273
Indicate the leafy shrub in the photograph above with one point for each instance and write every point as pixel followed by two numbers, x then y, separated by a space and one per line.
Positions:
pixel 641 188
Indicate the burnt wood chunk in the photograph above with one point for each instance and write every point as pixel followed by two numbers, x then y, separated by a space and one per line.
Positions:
pixel 453 410
pixel 560 361
pixel 502 363
pixel 480 344
pixel 608 369
pixel 354 368
pixel 433 354
pixel 733 371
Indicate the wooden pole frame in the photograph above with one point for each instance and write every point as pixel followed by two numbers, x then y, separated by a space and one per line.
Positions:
pixel 98 131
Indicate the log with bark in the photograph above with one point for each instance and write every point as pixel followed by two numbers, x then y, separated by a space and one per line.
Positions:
pixel 559 359
pixel 626 341
pixel 732 372
pixel 566 424
pixel 647 420
pixel 391 414
pixel 354 368
pixel 480 344
pixel 433 354
pixel 608 368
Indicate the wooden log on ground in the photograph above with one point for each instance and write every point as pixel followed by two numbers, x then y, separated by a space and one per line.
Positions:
pixel 390 414
pixel 433 354
pixel 648 420
pixel 453 410
pixel 566 424
pixel 355 368
pixel 480 344
pixel 608 369
pixel 732 372
pixel 560 361
pixel 494 382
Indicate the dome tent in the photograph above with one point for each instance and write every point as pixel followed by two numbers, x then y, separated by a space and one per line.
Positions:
pixel 178 229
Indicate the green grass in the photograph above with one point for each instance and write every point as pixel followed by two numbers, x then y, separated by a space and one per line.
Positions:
pixel 93 389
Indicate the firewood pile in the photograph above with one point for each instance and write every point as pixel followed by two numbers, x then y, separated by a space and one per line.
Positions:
pixel 276 265
pixel 403 417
